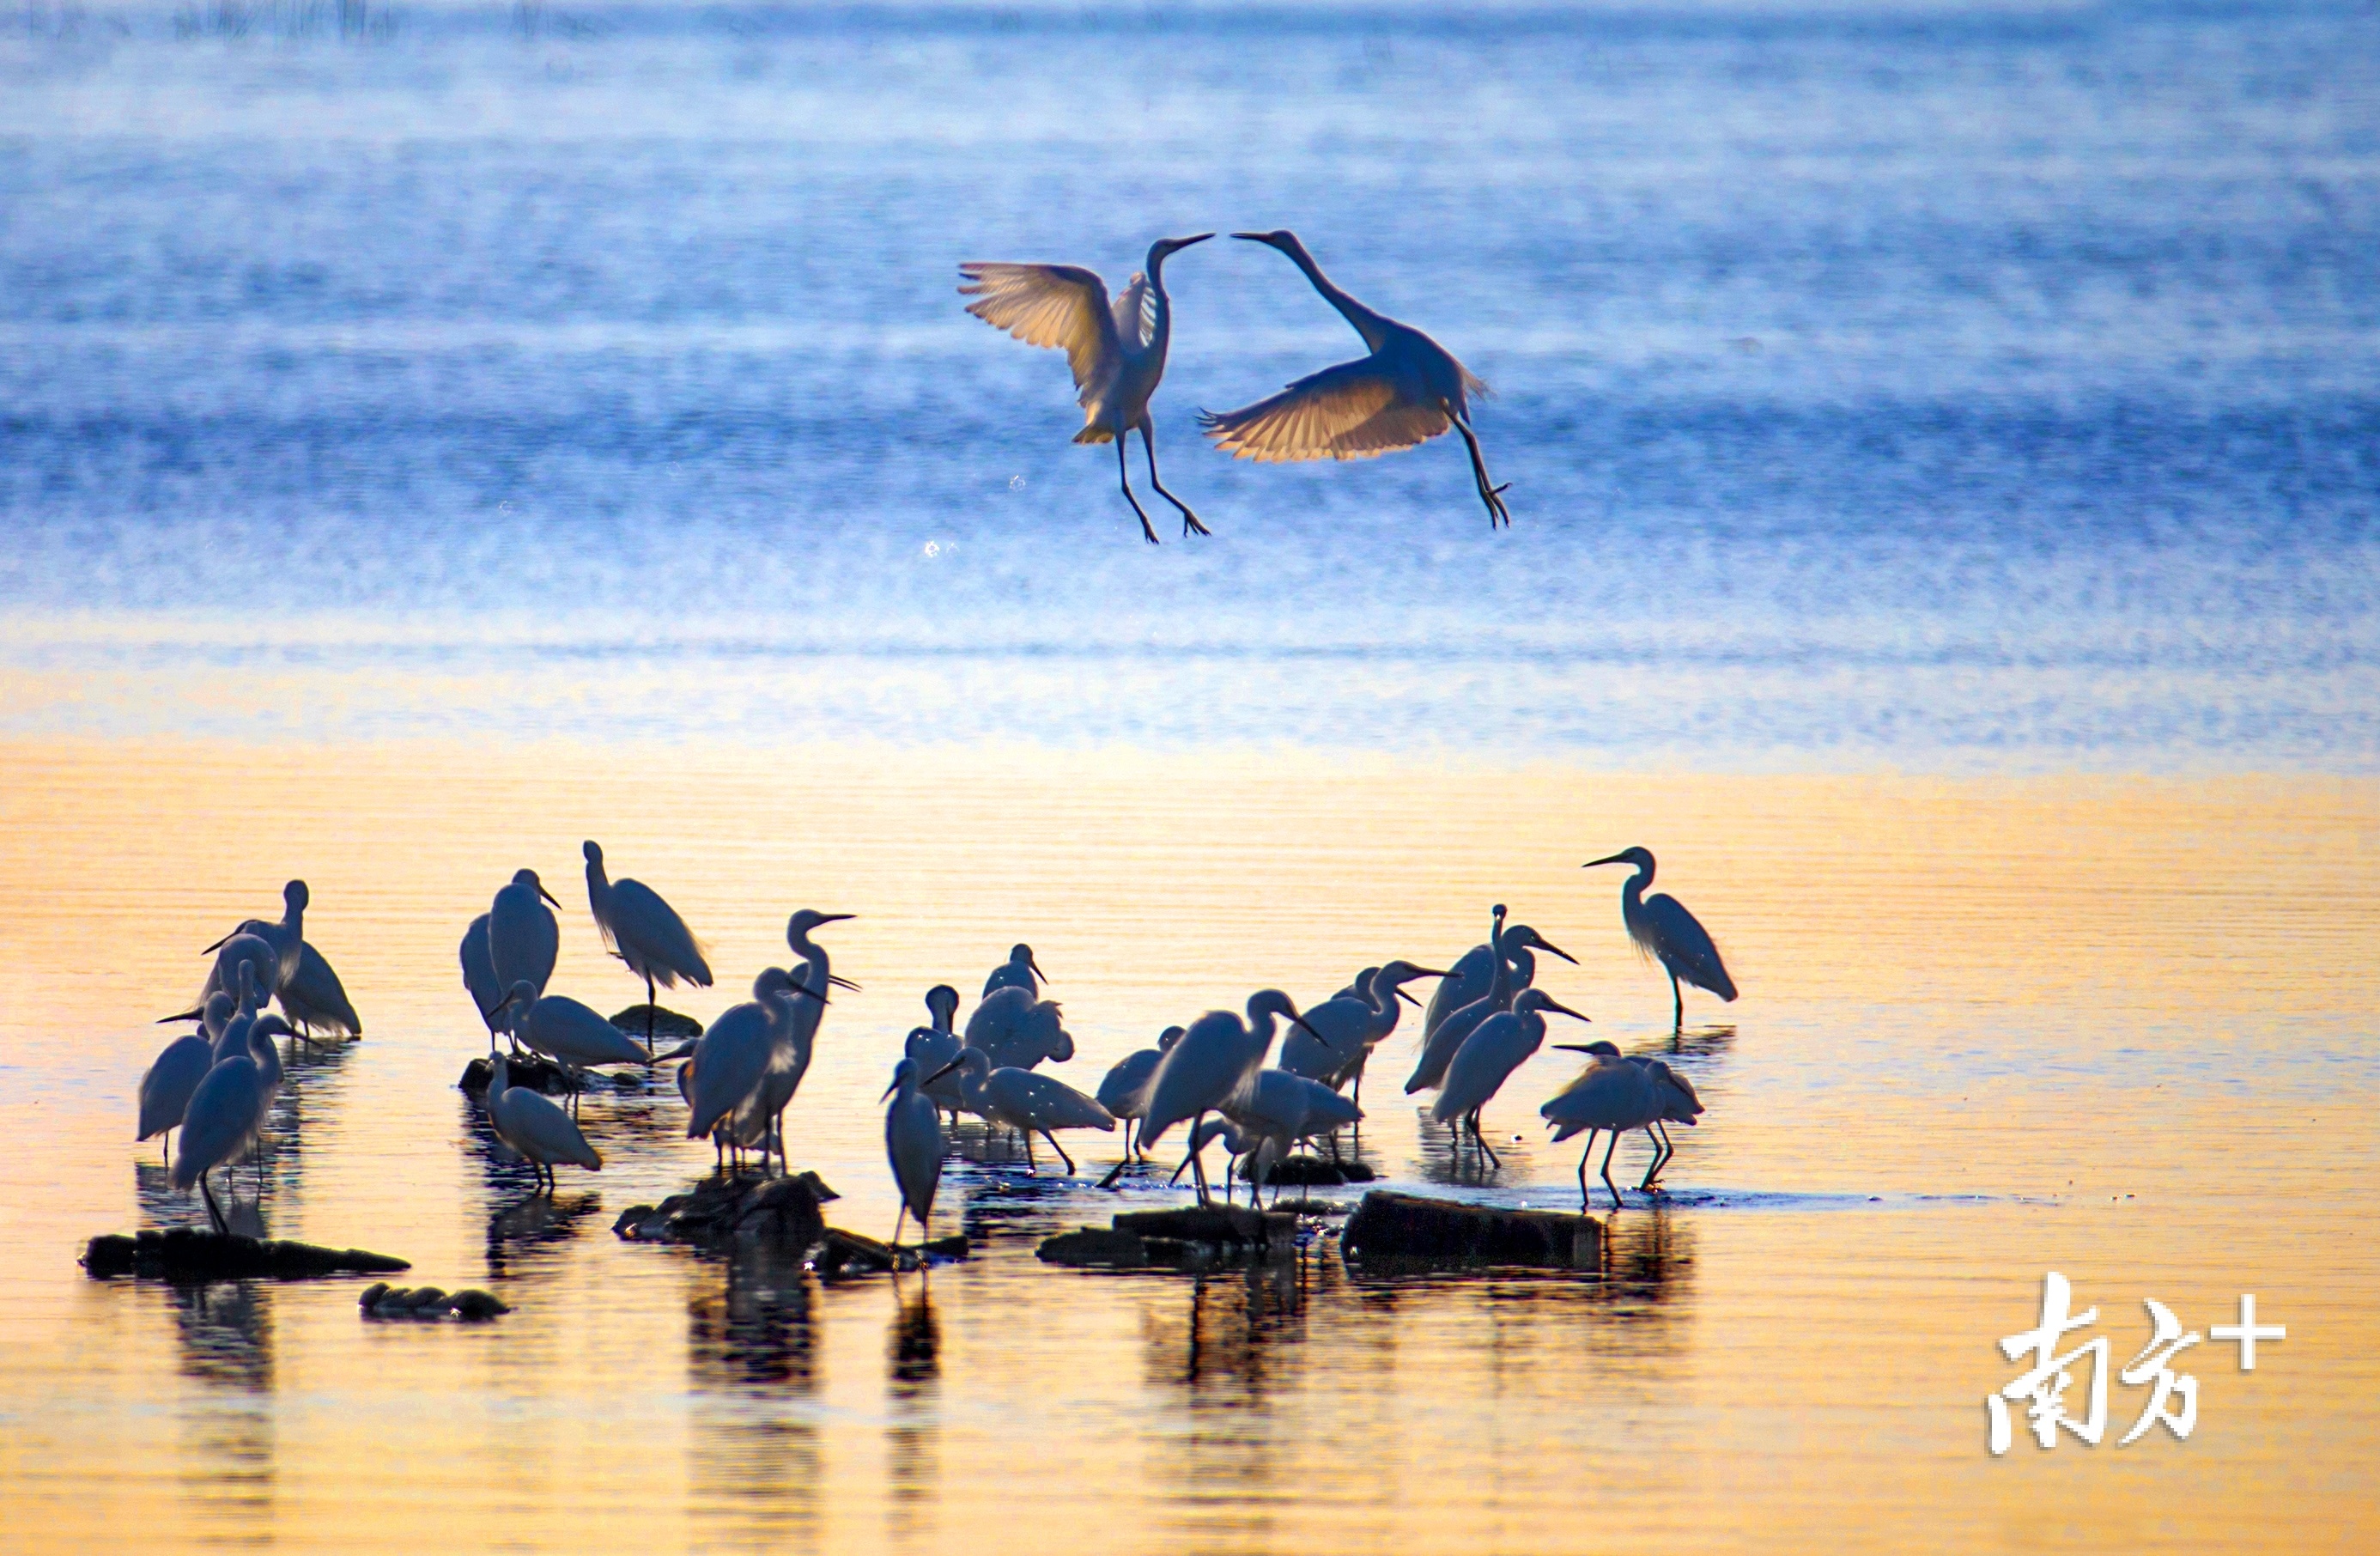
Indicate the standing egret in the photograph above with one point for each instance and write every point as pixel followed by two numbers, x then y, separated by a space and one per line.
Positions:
pixel 479 976
pixel 935 1046
pixel 1679 1104
pixel 761 1119
pixel 1514 971
pixel 285 937
pixel 225 1117
pixel 255 954
pixel 1020 971
pixel 1406 392
pixel 1609 1094
pixel 913 1144
pixel 314 999
pixel 1028 1104
pixel 1214 1061
pixel 1018 1030
pixel 1116 351
pixel 168 1084
pixel 644 930
pixel 1466 981
pixel 534 1127
pixel 565 1031
pixel 1125 1087
pixel 1341 1032
pixel 523 939
pixel 736 1050
pixel 1495 1048
pixel 1666 933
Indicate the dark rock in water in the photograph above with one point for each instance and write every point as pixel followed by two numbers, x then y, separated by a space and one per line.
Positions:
pixel 667 1024
pixel 1407 1227
pixel 948 1248
pixel 782 1210
pixel 1313 1172
pixel 538 1074
pixel 1309 1206
pixel 1093 1248
pixel 380 1300
pixel 1353 1171
pixel 1211 1223
pixel 473 1303
pixel 187 1253
pixel 849 1253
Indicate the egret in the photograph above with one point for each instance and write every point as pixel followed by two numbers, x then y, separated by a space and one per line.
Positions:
pixel 1017 1030
pixel 565 1031
pixel 1466 981
pixel 1406 392
pixel 226 1114
pixel 252 952
pixel 1126 1084
pixel 1355 986
pixel 1341 1032
pixel 1214 1061
pixel 168 1085
pixel 533 1126
pixel 1285 1108
pixel 1514 971
pixel 523 939
pixel 479 976
pixel 1028 1104
pixel 736 1050
pixel 643 931
pixel 1609 1094
pixel 1495 1048
pixel 314 998
pixel 1020 971
pixel 935 1046
pixel 1679 1106
pixel 913 1144
pixel 1116 350
pixel 775 1092
pixel 285 937
pixel 1666 933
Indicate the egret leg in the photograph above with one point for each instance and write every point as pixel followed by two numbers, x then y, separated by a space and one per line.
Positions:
pixel 1061 1150
pixel 214 1211
pixel 649 1013
pixel 1030 1166
pixel 1198 1161
pixel 1607 1169
pixel 896 1225
pixel 1660 1155
pixel 1677 1005
pixel 1123 473
pixel 1190 525
pixel 163 1158
pixel 1482 1141
pixel 783 1160
pixel 1585 1202
pixel 1491 495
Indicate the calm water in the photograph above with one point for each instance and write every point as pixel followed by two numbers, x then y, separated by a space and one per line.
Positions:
pixel 1944 478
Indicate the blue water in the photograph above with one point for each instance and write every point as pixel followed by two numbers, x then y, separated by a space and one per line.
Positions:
pixel 1992 391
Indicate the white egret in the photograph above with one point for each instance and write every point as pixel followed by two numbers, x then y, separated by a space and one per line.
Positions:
pixel 1406 392
pixel 315 999
pixel 1609 1094
pixel 1026 1102
pixel 170 1081
pixel 533 1126
pixel 227 1111
pixel 913 1144
pixel 1020 971
pixel 1495 1048
pixel 565 1031
pixel 644 932
pixel 1019 1032
pixel 1356 986
pixel 1515 968
pixel 934 1046
pixel 1341 1032
pixel 1666 933
pixel 479 976
pixel 1116 351
pixel 1125 1087
pixel 285 936
pixel 1214 1061
pixel 764 1117
pixel 252 952
pixel 1679 1104
pixel 1466 981
pixel 524 940
pixel 1287 1108
pixel 736 1050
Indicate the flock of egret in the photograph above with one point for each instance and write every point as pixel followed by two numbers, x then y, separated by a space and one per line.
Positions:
pixel 1483 1020
pixel 1405 391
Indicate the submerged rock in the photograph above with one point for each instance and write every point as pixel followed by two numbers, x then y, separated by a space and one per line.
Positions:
pixel 1095 1247
pixel 380 1300
pixel 1195 1237
pixel 1232 1225
pixel 782 1211
pixel 667 1023
pixel 1406 1227
pixel 538 1074
pixel 1313 1172
pixel 187 1254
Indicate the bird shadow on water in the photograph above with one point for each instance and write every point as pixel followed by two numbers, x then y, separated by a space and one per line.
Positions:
pixel 752 1355
pixel 526 1231
pixel 913 1345
pixel 224 1333
pixel 1451 1156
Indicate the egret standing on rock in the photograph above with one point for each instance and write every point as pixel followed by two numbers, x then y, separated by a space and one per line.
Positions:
pixel 535 1127
pixel 1214 1062
pixel 935 1046
pixel 735 1052
pixel 1406 392
pixel 1116 351
pixel 565 1031
pixel 523 939
pixel 913 1144
pixel 1666 933
pixel 645 931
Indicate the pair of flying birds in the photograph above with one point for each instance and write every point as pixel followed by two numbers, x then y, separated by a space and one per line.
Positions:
pixel 1408 390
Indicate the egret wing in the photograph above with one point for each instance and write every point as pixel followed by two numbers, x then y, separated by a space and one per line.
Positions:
pixel 1061 306
pixel 1684 946
pixel 659 937
pixel 1352 411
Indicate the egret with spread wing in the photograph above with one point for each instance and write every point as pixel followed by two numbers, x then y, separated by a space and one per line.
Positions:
pixel 1116 350
pixel 1408 390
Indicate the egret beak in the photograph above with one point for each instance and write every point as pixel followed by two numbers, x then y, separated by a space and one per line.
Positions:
pixel 1409 999
pixel 889 1089
pixel 1614 859
pixel 1428 972
pixel 805 989
pixel 218 945
pixel 197 1014
pixel 683 1051
pixel 1577 1048
pixel 546 894
pixel 1566 1011
pixel 1309 1026
pixel 1254 236
pixel 835 917
pixel 1545 944
pixel 1029 961
pixel 940 1073
pixel 842 982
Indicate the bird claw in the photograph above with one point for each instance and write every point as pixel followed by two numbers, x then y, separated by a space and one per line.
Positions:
pixel 1190 525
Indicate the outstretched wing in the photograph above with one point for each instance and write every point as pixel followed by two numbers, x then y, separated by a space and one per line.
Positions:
pixel 1351 412
pixel 1135 312
pixel 1046 305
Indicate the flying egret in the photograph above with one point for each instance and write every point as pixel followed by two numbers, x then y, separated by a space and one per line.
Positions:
pixel 737 1048
pixel 764 1117
pixel 479 976
pixel 935 1046
pixel 1495 1048
pixel 523 938
pixel 1126 1084
pixel 913 1144
pixel 1514 971
pixel 1466 981
pixel 1666 933
pixel 1020 971
pixel 533 1126
pixel 1214 1061
pixel 643 931
pixel 1026 1102
pixel 285 936
pixel 1341 1032
pixel 313 998
pixel 1609 1094
pixel 1115 350
pixel 1406 392
pixel 1017 1030
pixel 168 1084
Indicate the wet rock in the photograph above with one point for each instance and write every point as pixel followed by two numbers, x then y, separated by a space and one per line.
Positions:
pixel 1230 1224
pixel 1093 1247
pixel 538 1074
pixel 849 1253
pixel 382 1300
pixel 187 1253
pixel 473 1305
pixel 780 1211
pixel 1315 1171
pixel 948 1248
pixel 1407 1227
pixel 668 1025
